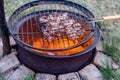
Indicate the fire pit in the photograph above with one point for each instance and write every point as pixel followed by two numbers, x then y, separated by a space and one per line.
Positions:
pixel 54 36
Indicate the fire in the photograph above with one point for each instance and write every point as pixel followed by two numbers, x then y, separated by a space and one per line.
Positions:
pixel 62 43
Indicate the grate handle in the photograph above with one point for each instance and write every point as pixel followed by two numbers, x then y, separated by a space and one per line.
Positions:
pixel 108 18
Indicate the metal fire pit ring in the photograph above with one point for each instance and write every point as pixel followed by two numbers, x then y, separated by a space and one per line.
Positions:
pixel 57 64
pixel 91 47
pixel 48 63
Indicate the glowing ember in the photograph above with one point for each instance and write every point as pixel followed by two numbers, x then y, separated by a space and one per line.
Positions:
pixel 62 44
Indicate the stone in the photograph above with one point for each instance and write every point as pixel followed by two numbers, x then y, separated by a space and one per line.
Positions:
pixel 1 48
pixel 12 41
pixel 70 76
pixel 99 46
pixel 102 60
pixel 115 65
pixel 91 72
pixel 1 52
pixel 8 63
pixel 7 75
pixel 21 73
pixel 40 76
pixel 118 71
pixel 14 52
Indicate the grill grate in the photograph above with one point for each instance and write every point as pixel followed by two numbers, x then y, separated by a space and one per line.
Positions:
pixel 29 25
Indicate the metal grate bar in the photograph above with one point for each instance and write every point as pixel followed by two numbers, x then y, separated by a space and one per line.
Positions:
pixel 33 31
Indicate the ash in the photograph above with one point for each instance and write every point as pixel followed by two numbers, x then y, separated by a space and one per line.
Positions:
pixel 56 25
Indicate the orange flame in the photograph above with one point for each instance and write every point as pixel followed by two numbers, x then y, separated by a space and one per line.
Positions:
pixel 61 44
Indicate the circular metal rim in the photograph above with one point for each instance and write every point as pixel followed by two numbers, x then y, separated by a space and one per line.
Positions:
pixel 46 49
pixel 89 14
pixel 97 37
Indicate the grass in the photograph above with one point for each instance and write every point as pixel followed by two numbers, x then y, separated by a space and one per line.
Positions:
pixel 1 78
pixel 109 74
pixel 29 77
pixel 110 47
pixel 111 50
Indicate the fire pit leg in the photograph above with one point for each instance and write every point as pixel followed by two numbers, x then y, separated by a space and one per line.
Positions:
pixel 4 30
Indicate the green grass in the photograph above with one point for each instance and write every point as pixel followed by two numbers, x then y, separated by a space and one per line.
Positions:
pixel 109 74
pixel 29 77
pixel 1 78
pixel 110 47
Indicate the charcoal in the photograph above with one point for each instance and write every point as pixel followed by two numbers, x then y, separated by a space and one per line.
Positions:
pixel 48 28
pixel 50 38
pixel 53 23
pixel 65 15
pixel 77 26
pixel 58 35
pixel 50 17
pixel 45 33
pixel 68 22
pixel 81 32
pixel 73 36
pixel 71 31
pixel 62 30
pixel 55 14
pixel 43 19
pixel 61 27
pixel 58 24
pixel 60 18
pixel 52 32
